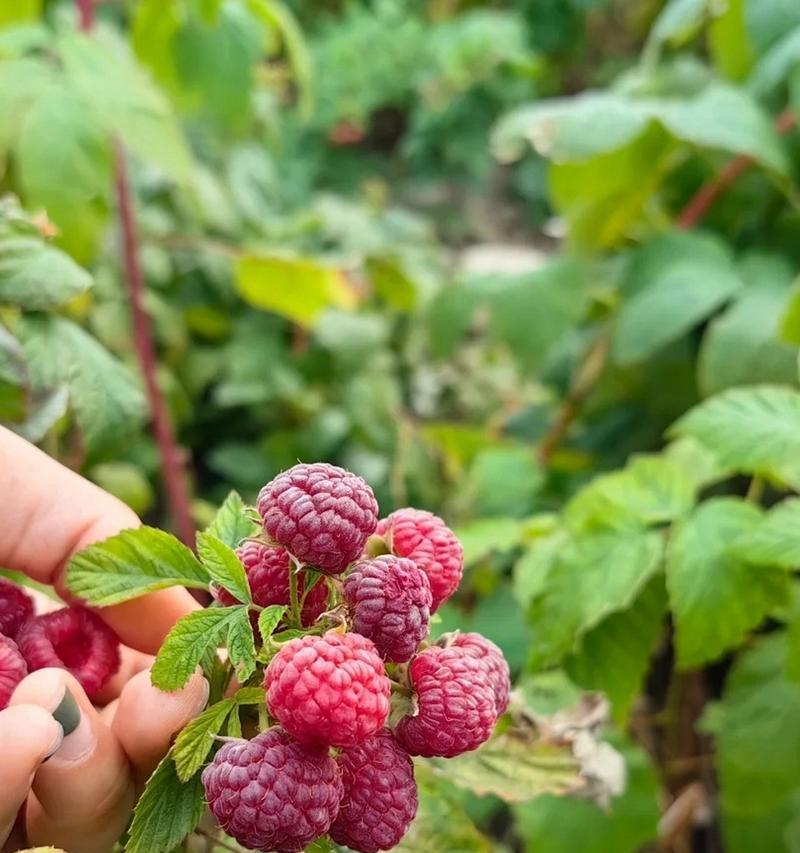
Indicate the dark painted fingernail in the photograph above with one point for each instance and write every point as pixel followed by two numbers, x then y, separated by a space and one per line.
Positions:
pixel 68 713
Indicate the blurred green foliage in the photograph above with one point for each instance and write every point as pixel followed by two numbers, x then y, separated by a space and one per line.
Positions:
pixel 413 238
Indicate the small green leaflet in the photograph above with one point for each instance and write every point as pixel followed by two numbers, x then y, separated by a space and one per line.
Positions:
pixel 224 567
pixel 232 523
pixel 195 741
pixel 241 645
pixel 775 541
pixel 131 564
pixel 193 635
pixel 269 618
pixel 167 811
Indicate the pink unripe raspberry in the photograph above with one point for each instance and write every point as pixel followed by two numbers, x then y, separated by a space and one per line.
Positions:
pixel 74 639
pixel 16 607
pixel 12 669
pixel 272 793
pixel 389 599
pixel 424 538
pixel 455 704
pixel 492 659
pixel 380 795
pixel 267 569
pixel 330 690
pixel 321 514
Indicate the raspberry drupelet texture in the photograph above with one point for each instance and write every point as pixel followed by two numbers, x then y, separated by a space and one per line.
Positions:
pixel 16 607
pixel 272 793
pixel 389 599
pixel 424 538
pixel 455 704
pixel 12 669
pixel 74 639
pixel 380 795
pixel 267 570
pixel 321 514
pixel 484 650
pixel 331 690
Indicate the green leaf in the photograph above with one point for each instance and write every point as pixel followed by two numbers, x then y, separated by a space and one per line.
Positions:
pixel 484 536
pixel 716 596
pixel 615 656
pixel 755 430
pixel 678 21
pixel 503 481
pixel 223 566
pixel 22 82
pixel 296 288
pixel 729 42
pixel 167 811
pixel 741 346
pixel 250 696
pixel 589 578
pixel 34 274
pixel 189 640
pixel 513 768
pixel 194 743
pixel 269 619
pixel 650 490
pixel 775 540
pixel 673 284
pixel 755 730
pixel 241 645
pixel 131 564
pixel 774 67
pixel 107 402
pixel 232 523
pixel 20 10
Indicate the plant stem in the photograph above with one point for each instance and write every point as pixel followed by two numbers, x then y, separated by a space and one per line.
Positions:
pixel 217 841
pixel 755 491
pixel 293 598
pixel 697 206
pixel 172 457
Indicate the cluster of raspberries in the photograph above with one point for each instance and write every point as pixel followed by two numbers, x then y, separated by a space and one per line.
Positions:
pixel 330 764
pixel 73 638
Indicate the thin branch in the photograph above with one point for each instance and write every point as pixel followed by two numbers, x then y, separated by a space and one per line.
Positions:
pixel 217 841
pixel 586 377
pixel 172 456
pixel 86 15
pixel 698 205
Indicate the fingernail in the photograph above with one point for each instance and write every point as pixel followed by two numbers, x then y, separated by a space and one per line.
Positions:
pixel 68 713
pixel 55 746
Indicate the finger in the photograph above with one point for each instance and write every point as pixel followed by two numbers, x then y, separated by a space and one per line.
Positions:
pixel 49 513
pixel 83 796
pixel 147 719
pixel 132 663
pixel 28 735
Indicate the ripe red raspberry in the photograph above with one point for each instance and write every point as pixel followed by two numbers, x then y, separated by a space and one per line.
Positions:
pixel 16 607
pixel 321 514
pixel 267 570
pixel 330 690
pixel 424 538
pixel 455 704
pixel 390 602
pixel 380 795
pixel 12 669
pixel 484 650
pixel 74 639
pixel 272 793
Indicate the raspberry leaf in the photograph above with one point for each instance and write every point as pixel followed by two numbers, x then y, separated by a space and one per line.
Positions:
pixel 195 741
pixel 269 619
pixel 224 567
pixel 191 637
pixel 775 541
pixel 167 811
pixel 241 644
pixel 232 523
pixel 131 564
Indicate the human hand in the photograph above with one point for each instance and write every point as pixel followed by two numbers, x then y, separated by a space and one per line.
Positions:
pixel 76 790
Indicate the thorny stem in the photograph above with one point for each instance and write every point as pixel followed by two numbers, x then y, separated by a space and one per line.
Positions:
pixel 86 15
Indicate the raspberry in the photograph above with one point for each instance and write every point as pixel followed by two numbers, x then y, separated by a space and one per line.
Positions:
pixel 74 639
pixel 272 793
pixel 390 602
pixel 380 795
pixel 330 690
pixel 484 650
pixel 267 571
pixel 16 607
pixel 424 538
pixel 456 710
pixel 321 514
pixel 12 669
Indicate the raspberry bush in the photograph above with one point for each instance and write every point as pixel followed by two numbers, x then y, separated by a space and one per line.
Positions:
pixel 338 681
